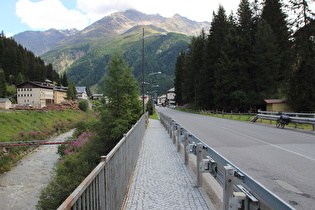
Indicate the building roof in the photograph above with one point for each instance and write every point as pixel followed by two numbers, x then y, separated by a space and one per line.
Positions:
pixel 3 100
pixel 36 84
pixel 275 101
pixel 80 89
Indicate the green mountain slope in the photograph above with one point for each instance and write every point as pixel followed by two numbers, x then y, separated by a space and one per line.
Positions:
pixel 86 62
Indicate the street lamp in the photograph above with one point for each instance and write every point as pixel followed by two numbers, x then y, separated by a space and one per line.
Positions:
pixel 143 37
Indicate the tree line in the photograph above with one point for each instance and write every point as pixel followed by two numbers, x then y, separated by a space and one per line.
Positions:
pixel 18 65
pixel 97 136
pixel 256 54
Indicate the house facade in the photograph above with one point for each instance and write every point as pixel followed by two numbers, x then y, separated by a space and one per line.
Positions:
pixel 35 94
pixel 60 94
pixel 81 93
pixel 278 105
pixel 5 103
pixel 170 97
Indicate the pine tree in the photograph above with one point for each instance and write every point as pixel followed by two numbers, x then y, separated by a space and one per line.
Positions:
pixel 122 108
pixel 302 11
pixel 212 51
pixel 179 76
pixel 302 86
pixel 3 89
pixel 193 78
pixel 71 91
pixel 277 19
pixel 64 80
pixel 245 35
pixel 266 62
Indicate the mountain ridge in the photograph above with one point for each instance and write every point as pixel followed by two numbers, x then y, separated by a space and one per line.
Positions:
pixel 112 25
pixel 84 55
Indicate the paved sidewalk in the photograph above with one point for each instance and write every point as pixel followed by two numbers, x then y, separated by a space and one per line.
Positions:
pixel 161 180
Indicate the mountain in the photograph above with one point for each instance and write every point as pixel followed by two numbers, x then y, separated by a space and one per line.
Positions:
pixel 84 55
pixel 40 42
pixel 113 25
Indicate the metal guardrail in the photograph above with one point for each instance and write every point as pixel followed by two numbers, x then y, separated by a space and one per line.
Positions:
pixel 106 186
pixel 272 116
pixel 240 191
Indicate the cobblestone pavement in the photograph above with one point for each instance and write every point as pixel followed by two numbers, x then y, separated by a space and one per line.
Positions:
pixel 161 180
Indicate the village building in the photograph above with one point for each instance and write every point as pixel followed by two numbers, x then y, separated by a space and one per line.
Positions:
pixel 60 94
pixel 5 103
pixel 170 97
pixel 278 105
pixel 35 94
pixel 81 93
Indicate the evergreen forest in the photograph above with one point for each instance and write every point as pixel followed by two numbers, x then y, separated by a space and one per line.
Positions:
pixel 261 52
pixel 18 65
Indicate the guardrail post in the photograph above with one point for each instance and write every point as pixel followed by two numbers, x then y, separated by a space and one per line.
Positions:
pixel 185 146
pixel 102 185
pixel 199 160
pixel 178 136
pixel 169 125
pixel 174 132
pixel 227 186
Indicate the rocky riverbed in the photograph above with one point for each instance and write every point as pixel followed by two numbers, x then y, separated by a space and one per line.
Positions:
pixel 20 187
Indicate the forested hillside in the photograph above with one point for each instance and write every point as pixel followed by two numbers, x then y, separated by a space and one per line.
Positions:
pixel 86 63
pixel 18 65
pixel 254 55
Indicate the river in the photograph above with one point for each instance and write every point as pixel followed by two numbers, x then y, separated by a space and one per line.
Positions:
pixel 21 186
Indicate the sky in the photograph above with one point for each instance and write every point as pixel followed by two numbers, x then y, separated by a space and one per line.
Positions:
pixel 37 15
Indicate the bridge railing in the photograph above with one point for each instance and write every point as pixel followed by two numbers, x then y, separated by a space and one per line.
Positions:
pixel 308 118
pixel 106 186
pixel 240 191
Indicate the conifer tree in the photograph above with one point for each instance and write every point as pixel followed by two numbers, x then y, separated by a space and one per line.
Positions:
pixel 245 35
pixel 3 89
pixel 179 77
pixel 266 62
pixel 193 70
pixel 212 51
pixel 277 19
pixel 122 108
pixel 64 80
pixel 302 86
pixel 71 91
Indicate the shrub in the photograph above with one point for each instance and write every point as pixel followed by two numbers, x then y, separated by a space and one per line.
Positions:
pixel 84 105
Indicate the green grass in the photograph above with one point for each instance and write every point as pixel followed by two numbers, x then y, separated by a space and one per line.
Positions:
pixel 33 125
pixel 17 123
pixel 154 116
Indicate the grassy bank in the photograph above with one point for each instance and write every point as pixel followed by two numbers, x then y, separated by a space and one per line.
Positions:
pixel 33 125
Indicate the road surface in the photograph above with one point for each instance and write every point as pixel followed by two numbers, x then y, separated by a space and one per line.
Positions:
pixel 283 160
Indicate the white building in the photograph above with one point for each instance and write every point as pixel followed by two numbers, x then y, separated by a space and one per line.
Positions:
pixel 5 103
pixel 36 94
pixel 170 97
pixel 81 93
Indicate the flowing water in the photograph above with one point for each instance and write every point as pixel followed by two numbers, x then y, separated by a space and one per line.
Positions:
pixel 21 186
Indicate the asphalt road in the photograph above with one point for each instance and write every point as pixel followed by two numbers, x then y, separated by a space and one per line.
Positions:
pixel 283 160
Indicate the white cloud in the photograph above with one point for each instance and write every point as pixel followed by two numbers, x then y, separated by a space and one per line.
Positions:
pixel 48 14
pixel 97 9
pixel 199 10
pixel 9 35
